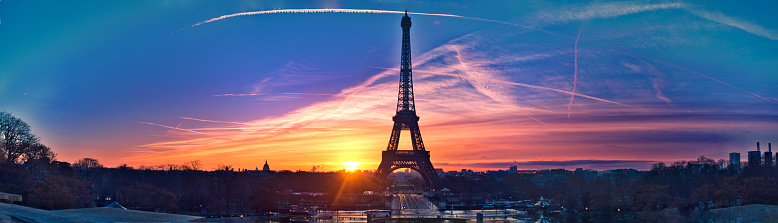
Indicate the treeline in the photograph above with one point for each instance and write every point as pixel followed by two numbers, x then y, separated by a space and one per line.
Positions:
pixel 58 185
pixel 18 143
pixel 683 187
pixel 220 191
pixel 30 169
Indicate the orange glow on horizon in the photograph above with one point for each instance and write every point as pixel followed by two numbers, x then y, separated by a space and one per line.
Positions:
pixel 351 165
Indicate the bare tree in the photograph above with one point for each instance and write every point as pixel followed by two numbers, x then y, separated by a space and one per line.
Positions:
pixel 171 167
pixel 222 167
pixel 40 151
pixel 87 163
pixel 193 165
pixel 17 142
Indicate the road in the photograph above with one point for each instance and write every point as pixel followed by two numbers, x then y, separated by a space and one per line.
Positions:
pixel 414 205
pixel 410 205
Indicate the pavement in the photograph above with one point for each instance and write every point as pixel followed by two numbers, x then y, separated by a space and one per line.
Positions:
pixel 18 213
pixel 413 205
pixel 745 213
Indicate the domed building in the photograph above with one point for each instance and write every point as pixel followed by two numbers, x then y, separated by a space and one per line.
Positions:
pixel 266 168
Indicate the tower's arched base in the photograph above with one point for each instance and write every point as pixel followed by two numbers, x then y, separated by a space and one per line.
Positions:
pixel 415 160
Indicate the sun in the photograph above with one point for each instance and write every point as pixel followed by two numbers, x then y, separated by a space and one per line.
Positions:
pixel 351 165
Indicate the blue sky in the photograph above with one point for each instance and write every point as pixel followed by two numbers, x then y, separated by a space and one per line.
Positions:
pixel 592 84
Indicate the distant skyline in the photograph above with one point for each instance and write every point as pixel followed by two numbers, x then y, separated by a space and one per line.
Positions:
pixel 598 84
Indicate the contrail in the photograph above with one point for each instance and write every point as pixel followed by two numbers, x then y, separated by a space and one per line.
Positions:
pixel 206 120
pixel 575 75
pixel 513 83
pixel 392 97
pixel 169 127
pixel 219 95
pixel 345 11
pixel 535 119
pixel 714 79
pixel 560 91
pixel 727 84
pixel 293 93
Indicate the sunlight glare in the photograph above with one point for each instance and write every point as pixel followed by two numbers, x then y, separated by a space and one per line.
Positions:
pixel 351 165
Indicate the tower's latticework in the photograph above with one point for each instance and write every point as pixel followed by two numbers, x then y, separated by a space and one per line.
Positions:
pixel 417 159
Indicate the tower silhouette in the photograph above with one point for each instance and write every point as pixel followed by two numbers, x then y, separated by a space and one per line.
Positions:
pixel 417 159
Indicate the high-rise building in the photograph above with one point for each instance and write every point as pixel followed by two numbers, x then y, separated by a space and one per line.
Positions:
pixel 775 156
pixel 734 160
pixel 768 156
pixel 755 157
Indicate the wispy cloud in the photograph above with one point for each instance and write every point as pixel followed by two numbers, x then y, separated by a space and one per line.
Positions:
pixel 514 84
pixel 657 80
pixel 593 164
pixel 470 105
pixel 587 11
pixel 736 22
pixel 489 98
pixel 603 10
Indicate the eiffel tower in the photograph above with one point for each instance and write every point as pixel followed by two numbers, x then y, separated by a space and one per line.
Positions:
pixel 417 159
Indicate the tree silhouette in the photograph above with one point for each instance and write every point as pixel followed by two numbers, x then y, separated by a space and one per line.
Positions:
pixel 148 197
pixel 87 163
pixel 18 143
pixel 195 165
pixel 52 195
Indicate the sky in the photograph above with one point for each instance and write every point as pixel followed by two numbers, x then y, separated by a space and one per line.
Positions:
pixel 309 85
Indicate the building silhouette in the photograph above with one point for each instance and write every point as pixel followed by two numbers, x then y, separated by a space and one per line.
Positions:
pixel 587 174
pixel 513 169
pixel 768 156
pixel 755 157
pixel 266 167
pixel 734 160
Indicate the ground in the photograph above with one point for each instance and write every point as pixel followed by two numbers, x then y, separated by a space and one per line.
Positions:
pixel 746 213
pixel 18 213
